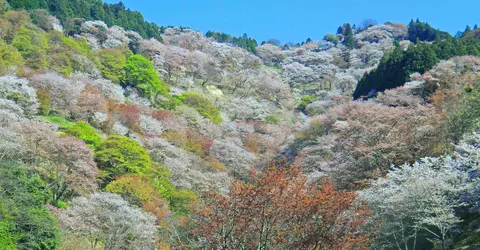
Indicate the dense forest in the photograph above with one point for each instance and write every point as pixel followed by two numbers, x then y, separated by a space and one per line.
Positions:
pixel 112 14
pixel 395 68
pixel 116 133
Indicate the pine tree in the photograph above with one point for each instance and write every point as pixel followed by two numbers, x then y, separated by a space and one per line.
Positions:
pixel 349 40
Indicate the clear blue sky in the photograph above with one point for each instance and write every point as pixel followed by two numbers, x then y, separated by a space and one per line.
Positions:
pixel 296 20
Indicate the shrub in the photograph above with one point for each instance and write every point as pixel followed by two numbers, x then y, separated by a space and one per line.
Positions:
pixel 119 155
pixel 85 132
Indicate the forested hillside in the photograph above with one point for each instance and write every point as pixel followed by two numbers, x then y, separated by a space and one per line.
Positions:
pixel 116 133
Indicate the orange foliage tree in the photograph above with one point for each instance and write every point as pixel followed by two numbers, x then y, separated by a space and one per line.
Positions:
pixel 280 209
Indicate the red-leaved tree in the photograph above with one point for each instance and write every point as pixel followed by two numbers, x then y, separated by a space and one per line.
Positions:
pixel 280 209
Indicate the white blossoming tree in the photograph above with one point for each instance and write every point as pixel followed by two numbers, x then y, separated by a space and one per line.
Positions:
pixel 107 218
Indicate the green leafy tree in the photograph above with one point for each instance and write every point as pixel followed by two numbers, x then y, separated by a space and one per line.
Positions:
pixel 9 55
pixel 160 180
pixel 85 132
pixel 33 47
pixel 119 155
pixel 135 189
pixel 4 6
pixel 331 38
pixel 140 73
pixel 27 4
pixel 424 32
pixel 111 63
pixel 24 221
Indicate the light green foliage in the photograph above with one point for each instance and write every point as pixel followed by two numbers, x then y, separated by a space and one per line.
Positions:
pixel 140 73
pixel 119 155
pixel 61 63
pixel 111 63
pixel 135 189
pixel 8 237
pixel 24 221
pixel 33 46
pixel 202 105
pixel 305 101
pixel 79 46
pixel 85 132
pixel 180 200
pixel 58 120
pixel 160 180
pixel 62 51
pixel 271 119
pixel 331 38
pixel 9 55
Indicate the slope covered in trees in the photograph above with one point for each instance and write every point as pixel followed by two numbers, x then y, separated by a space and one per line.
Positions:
pixel 395 68
pixel 112 141
pixel 111 14
pixel 243 42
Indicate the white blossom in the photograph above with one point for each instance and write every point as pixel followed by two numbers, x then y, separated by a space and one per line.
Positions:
pixel 107 218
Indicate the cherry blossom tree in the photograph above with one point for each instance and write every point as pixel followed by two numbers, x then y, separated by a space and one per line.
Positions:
pixel 107 219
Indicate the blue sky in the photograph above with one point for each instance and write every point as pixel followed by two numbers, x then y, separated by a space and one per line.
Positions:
pixel 295 21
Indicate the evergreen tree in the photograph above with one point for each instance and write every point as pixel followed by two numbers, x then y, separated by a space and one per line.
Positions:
pixel 349 40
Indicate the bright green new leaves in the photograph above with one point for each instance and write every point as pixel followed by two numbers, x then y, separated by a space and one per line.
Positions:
pixel 85 132
pixel 9 55
pixel 160 180
pixel 140 73
pixel 111 63
pixel 331 38
pixel 33 46
pixel 119 155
